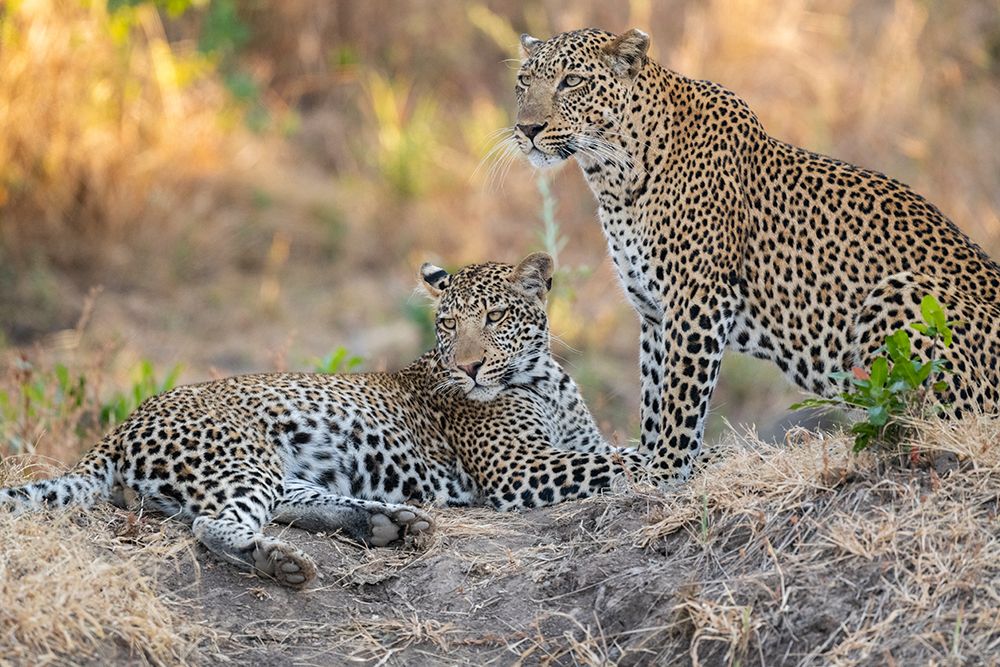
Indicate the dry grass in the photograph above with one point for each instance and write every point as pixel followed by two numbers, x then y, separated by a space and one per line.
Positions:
pixel 77 587
pixel 891 561
pixel 101 122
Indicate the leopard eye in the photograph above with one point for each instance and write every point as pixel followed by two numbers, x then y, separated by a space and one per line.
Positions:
pixel 524 79
pixel 571 81
pixel 448 323
pixel 495 316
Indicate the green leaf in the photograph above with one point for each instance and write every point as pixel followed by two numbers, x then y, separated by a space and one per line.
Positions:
pixel 878 415
pixel 905 368
pixel 946 337
pixel 879 372
pixel 898 387
pixel 922 328
pixel 62 376
pixel 932 313
pixel 924 371
pixel 859 399
pixel 862 440
pixel 814 403
pixel 170 381
pixel 940 386
pixel 898 346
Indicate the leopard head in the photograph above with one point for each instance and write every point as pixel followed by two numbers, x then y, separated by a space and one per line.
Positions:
pixel 572 91
pixel 491 326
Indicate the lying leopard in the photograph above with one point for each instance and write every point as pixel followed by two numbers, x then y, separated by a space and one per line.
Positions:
pixel 487 417
pixel 723 236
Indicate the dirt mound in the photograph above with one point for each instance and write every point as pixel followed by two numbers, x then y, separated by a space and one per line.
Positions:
pixel 799 554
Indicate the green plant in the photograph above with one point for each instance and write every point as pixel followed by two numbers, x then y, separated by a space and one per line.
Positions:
pixel 565 323
pixel 41 398
pixel 552 240
pixel 420 313
pixel 337 361
pixel 36 396
pixel 899 386
pixel 144 385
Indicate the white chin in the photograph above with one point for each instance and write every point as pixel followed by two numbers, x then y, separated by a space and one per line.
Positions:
pixel 483 394
pixel 542 160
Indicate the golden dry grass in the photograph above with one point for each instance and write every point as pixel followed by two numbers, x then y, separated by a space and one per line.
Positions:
pixel 894 561
pixel 77 587
pixel 101 122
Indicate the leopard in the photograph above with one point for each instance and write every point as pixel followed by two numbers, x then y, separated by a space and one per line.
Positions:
pixel 487 417
pixel 724 237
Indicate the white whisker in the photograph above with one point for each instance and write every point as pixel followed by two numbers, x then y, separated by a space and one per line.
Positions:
pixel 507 152
pixel 557 339
pixel 498 170
pixel 510 161
pixel 503 137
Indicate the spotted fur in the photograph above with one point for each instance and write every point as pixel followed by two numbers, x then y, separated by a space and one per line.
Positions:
pixel 487 417
pixel 723 236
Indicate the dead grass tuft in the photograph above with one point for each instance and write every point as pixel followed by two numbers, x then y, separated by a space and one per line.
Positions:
pixel 83 587
pixel 841 558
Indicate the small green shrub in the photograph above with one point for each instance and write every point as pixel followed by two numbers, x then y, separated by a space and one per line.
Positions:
pixel 40 398
pixel 144 386
pixel 420 313
pixel 337 361
pixel 899 386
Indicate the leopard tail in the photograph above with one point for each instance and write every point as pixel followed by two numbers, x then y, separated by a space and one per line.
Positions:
pixel 90 481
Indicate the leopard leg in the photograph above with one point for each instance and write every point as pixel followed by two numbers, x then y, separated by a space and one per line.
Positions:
pixel 651 375
pixel 542 475
pixel 313 508
pixel 691 346
pixel 241 543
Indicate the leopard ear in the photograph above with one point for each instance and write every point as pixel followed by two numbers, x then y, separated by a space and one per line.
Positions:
pixel 434 279
pixel 534 274
pixel 627 53
pixel 529 45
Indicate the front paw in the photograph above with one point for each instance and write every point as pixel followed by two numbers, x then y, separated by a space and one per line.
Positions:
pixel 393 524
pixel 284 563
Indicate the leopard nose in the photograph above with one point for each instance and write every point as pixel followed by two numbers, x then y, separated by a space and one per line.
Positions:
pixel 472 369
pixel 531 131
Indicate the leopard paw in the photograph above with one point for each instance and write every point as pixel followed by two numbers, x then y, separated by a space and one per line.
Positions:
pixel 395 522
pixel 285 564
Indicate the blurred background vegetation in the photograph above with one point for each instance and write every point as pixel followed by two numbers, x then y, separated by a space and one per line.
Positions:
pixel 241 185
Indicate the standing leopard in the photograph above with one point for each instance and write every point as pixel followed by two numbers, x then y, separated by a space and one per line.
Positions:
pixel 723 236
pixel 487 417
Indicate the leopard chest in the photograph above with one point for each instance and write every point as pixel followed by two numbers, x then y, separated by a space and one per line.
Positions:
pixel 632 257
